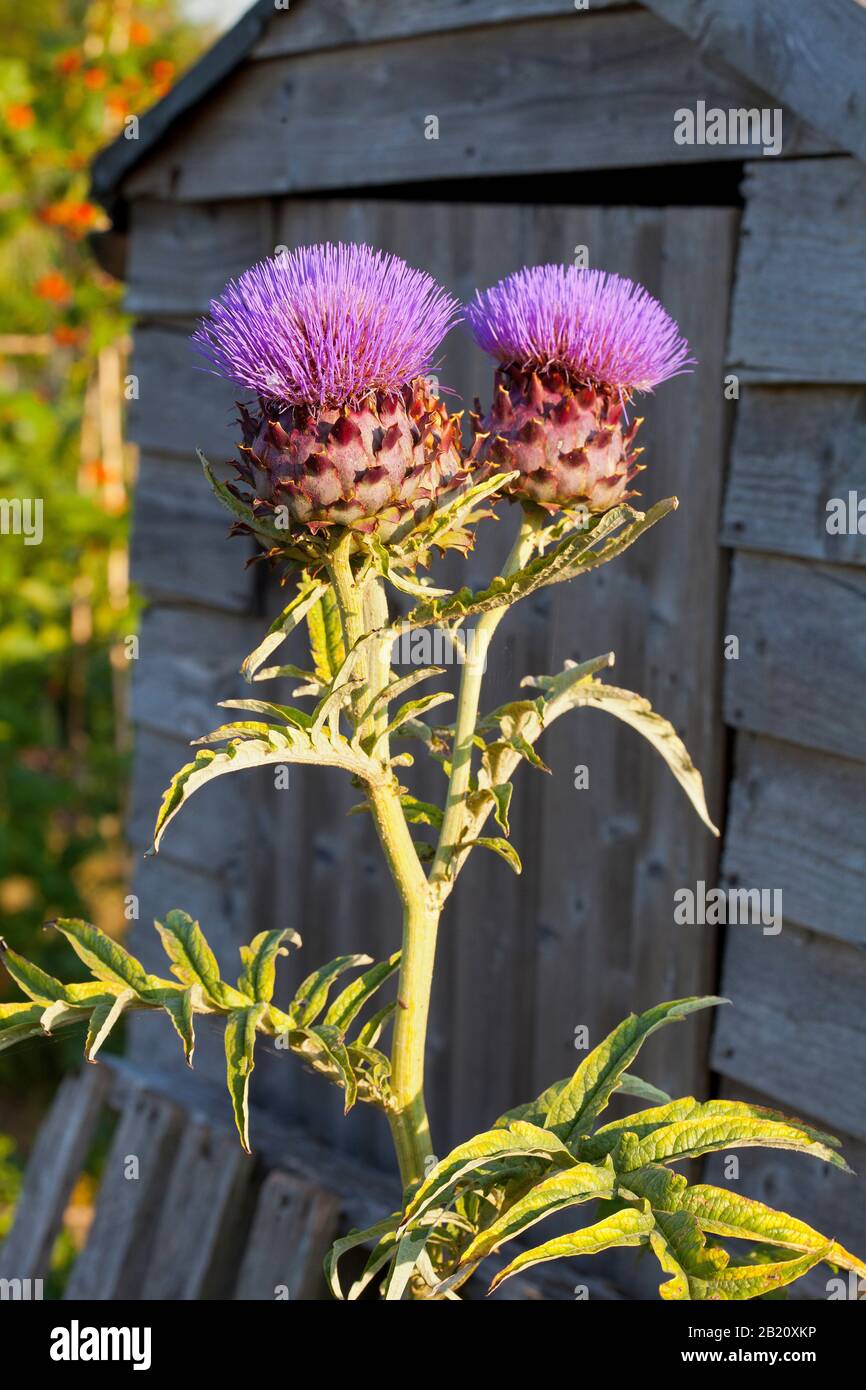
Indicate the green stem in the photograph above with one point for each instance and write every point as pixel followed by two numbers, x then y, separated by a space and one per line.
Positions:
pixel 410 1129
pixel 477 646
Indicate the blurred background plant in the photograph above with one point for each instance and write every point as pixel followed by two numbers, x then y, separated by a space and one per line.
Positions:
pixel 70 76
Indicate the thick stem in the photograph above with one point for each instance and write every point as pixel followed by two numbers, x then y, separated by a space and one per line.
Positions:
pixel 477 647
pixel 410 1129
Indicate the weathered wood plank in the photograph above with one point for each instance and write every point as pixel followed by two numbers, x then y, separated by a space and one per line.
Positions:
pixel 801 667
pixel 181 255
pixel 797 312
pixel 337 23
pixel 612 855
pixel 788 49
pixel 795 450
pixel 608 85
pixel 54 1167
pixel 831 1201
pixel 796 823
pixel 179 547
pixel 181 407
pixel 205 1212
pixel 366 1194
pixel 114 1259
pixel 795 1030
pixel 189 659
pixel 294 1226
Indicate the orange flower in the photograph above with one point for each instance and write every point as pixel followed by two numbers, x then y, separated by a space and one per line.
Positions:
pixel 162 71
pixel 95 78
pixel 65 336
pixel 67 62
pixel 76 218
pixel 139 33
pixel 19 116
pixel 54 287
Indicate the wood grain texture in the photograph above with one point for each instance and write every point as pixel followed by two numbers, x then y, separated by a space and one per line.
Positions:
pixel 181 407
pixel 181 255
pixel 801 668
pixel 795 1030
pixel 796 823
pixel 295 1224
pixel 316 24
pixel 204 1218
pixel 797 312
pixel 54 1166
pixel 179 548
pixel 607 84
pixel 831 1201
pixel 789 50
pixel 795 449
pixel 113 1262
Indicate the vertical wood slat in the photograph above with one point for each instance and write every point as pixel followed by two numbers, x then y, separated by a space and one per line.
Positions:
pixel 294 1226
pixel 54 1166
pixel 509 988
pixel 203 1220
pixel 113 1262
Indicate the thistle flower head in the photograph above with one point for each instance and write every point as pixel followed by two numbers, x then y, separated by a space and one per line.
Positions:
pixel 325 325
pixel 601 328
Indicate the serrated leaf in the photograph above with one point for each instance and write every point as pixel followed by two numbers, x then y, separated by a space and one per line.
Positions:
pixel 312 993
pixel 518 1141
pixel 295 718
pixel 739 1282
pixel 566 1188
pixel 597 1077
pixel 369 1034
pixel 193 961
pixel 284 745
pixel 639 714
pixel 352 999
pixel 577 554
pixel 332 1045
pixel 102 1020
pixel 396 688
pixel 642 1123
pixel 411 710
pixel 628 1227
pixel 105 959
pixel 260 964
pixel 309 592
pixel 503 848
pixel 351 1242
pixel 631 1085
pixel 736 1128
pixel 178 1004
pixel 724 1213
pixel 240 1043
pixel 36 983
pixel 326 636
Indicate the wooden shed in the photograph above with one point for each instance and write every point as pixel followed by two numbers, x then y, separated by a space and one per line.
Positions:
pixel 473 136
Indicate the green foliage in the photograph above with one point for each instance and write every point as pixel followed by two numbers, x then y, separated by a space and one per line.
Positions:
pixel 69 72
pixel 548 1156
pixel 119 982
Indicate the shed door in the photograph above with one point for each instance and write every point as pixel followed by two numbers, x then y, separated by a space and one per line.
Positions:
pixel 587 933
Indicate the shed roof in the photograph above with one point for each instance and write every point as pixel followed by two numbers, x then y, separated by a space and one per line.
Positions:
pixel 809 57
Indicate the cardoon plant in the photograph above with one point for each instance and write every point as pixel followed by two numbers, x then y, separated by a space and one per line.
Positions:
pixel 351 474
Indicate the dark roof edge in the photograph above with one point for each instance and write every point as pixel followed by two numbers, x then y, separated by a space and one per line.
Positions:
pixel 116 161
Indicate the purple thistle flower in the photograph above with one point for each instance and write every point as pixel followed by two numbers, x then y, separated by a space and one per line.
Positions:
pixel 326 325
pixel 600 327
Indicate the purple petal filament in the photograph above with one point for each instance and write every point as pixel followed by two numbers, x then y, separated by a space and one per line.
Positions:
pixel 601 327
pixel 325 325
